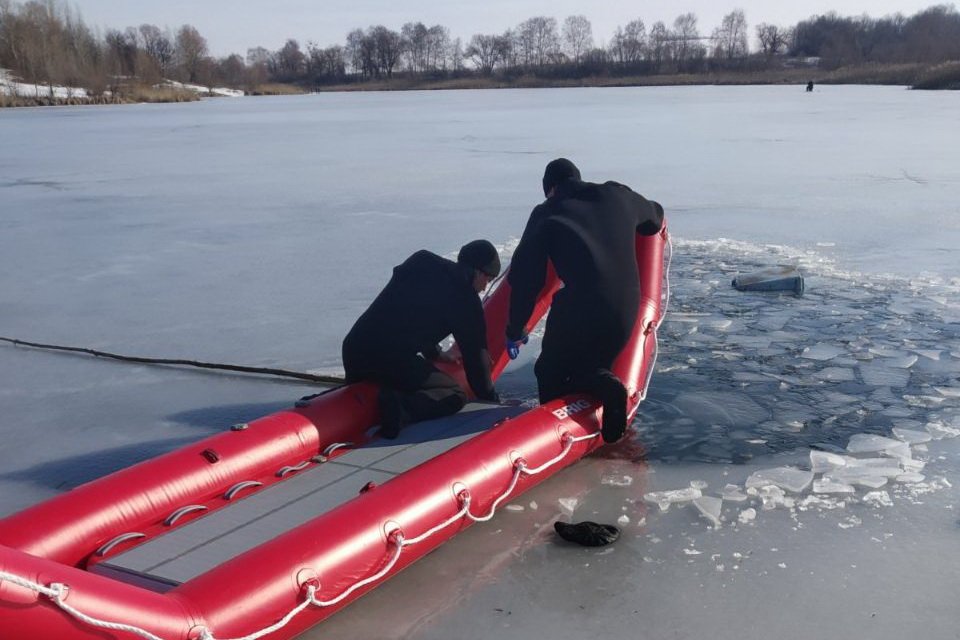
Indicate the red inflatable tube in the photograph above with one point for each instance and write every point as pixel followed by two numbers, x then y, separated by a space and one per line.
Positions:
pixel 56 541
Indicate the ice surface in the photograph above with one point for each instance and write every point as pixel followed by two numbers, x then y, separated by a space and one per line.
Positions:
pixel 709 507
pixel 218 272
pixel 835 374
pixel 879 374
pixel 822 351
pixel 789 478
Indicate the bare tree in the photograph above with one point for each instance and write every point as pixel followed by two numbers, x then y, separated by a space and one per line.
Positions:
pixel 577 36
pixel 773 39
pixel 730 38
pixel 659 44
pixel 258 65
pixel 388 46
pixel 290 60
pixel 635 41
pixel 538 40
pixel 191 49
pixel 414 37
pixel 686 41
pixel 158 47
pixel 487 51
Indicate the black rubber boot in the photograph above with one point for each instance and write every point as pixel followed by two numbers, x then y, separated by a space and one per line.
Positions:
pixel 608 389
pixel 588 534
pixel 392 416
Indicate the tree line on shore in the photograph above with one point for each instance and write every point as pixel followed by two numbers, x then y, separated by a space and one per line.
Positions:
pixel 45 42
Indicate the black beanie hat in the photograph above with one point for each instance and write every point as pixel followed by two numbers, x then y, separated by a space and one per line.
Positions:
pixel 480 255
pixel 557 171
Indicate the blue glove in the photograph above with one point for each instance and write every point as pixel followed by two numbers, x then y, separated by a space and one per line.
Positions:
pixel 513 346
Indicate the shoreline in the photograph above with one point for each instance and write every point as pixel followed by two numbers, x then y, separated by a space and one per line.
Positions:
pixel 917 76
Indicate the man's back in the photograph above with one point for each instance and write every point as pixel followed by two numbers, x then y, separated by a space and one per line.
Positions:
pixel 590 234
pixel 413 312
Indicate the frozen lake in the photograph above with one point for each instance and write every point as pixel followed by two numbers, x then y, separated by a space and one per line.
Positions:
pixel 255 230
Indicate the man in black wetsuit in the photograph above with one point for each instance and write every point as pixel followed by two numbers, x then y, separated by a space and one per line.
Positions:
pixel 393 342
pixel 588 231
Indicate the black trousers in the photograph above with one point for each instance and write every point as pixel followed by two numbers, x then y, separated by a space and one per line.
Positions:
pixel 425 391
pixel 575 352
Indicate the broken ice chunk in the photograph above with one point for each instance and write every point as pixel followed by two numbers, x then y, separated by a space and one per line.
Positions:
pixel 616 480
pixel 709 508
pixel 948 392
pixel 870 481
pixel 869 443
pixel 771 496
pixel 699 484
pixel 664 499
pixel 940 431
pixel 789 478
pixel 514 507
pixel 747 515
pixel 568 505
pixel 880 374
pixel 878 499
pixel 912 437
pixel 623 521
pixel 822 351
pixel 835 374
pixel 910 477
pixel 822 461
pixel 732 492
pixel 829 485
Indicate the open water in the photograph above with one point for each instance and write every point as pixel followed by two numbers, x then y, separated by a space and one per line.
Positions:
pixel 255 230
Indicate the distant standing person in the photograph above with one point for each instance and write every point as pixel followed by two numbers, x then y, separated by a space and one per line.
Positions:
pixel 395 340
pixel 810 86
pixel 589 232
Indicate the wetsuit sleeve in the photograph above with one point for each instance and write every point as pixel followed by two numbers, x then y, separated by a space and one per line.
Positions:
pixel 650 218
pixel 431 352
pixel 470 332
pixel 528 271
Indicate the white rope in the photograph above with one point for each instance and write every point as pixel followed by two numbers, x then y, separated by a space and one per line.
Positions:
pixel 57 592
pixel 459 514
pixel 397 539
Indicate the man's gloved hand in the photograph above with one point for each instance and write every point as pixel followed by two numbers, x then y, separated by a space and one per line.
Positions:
pixel 513 346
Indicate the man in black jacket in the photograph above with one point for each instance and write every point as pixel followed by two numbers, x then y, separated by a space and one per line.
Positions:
pixel 393 342
pixel 588 231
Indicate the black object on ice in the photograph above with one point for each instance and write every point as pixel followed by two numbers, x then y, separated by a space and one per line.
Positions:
pixel 781 278
pixel 588 534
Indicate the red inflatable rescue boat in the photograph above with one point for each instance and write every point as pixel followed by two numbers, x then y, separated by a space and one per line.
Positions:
pixel 270 527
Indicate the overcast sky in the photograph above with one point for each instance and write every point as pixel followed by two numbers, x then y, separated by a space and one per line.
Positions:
pixel 233 26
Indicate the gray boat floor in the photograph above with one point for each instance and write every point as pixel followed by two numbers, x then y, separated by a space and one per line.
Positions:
pixel 200 545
